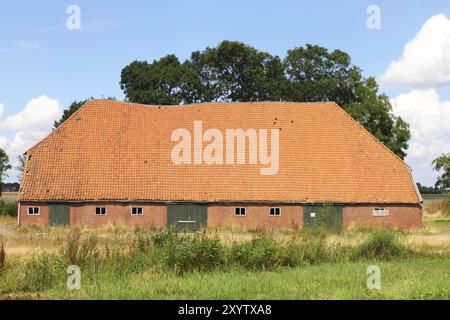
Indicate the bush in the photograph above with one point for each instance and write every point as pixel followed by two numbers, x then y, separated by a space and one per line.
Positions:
pixel 261 253
pixel 191 253
pixel 8 208
pixel 381 244
pixel 42 272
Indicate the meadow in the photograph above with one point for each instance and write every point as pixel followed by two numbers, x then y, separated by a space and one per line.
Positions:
pixel 118 262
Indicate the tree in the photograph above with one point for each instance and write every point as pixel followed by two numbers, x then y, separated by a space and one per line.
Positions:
pixel 234 71
pixel 164 81
pixel 442 165
pixel 374 112
pixel 315 74
pixel 74 106
pixel 21 159
pixel 4 166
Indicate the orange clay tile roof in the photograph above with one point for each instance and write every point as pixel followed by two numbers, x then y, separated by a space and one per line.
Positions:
pixel 111 150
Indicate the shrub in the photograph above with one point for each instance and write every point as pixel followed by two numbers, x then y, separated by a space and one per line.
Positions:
pixel 188 253
pixel 42 272
pixel 8 208
pixel 261 253
pixel 381 244
pixel 329 219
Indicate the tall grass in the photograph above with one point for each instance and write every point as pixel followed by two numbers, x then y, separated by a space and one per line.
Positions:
pixel 438 207
pixel 169 252
pixel 42 272
pixel 2 256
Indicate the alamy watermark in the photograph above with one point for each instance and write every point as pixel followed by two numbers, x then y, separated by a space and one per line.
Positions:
pixel 241 146
pixel 74 20
pixel 374 20
pixel 374 279
pixel 74 278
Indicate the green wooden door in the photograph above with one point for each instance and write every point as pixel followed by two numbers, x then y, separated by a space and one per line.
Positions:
pixel 58 215
pixel 186 216
pixel 326 216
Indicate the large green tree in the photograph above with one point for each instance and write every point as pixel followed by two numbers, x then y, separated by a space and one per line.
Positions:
pixel 165 81
pixel 234 71
pixel 4 166
pixel 442 165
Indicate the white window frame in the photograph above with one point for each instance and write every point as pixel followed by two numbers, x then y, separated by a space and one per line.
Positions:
pixel 380 212
pixel 240 208
pixel 275 215
pixel 137 215
pixel 101 215
pixel 33 214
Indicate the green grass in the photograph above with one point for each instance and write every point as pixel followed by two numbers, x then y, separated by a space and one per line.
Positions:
pixel 167 265
pixel 416 278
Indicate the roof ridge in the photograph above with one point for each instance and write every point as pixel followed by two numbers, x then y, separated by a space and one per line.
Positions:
pixel 195 104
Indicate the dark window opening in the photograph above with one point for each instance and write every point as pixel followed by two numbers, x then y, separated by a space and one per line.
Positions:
pixel 33 211
pixel 275 212
pixel 100 211
pixel 136 211
pixel 239 211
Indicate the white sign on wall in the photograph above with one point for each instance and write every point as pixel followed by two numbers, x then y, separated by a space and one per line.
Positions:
pixel 380 212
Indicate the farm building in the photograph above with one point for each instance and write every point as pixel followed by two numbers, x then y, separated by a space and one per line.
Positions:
pixel 253 165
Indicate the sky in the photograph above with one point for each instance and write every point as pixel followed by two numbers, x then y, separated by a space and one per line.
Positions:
pixel 46 63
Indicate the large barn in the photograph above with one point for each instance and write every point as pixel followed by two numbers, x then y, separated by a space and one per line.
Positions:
pixel 251 165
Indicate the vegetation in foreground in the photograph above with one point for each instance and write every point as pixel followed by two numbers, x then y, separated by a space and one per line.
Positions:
pixel 169 265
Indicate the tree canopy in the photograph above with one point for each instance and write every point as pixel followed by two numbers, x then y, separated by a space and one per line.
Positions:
pixel 234 71
pixel 442 165
pixel 4 165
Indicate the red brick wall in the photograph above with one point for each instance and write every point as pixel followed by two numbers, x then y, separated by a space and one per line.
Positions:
pixel 41 219
pixel 117 213
pixel 400 216
pixel 257 216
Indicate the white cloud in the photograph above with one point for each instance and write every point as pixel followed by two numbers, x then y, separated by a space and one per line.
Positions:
pixel 428 116
pixel 25 128
pixel 426 58
pixel 429 119
pixel 26 44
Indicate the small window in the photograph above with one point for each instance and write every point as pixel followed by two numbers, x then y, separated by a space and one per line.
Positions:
pixel 100 211
pixel 275 212
pixel 33 211
pixel 137 211
pixel 239 211
pixel 380 212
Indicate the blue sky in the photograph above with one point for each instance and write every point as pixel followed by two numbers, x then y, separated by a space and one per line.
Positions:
pixel 45 65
